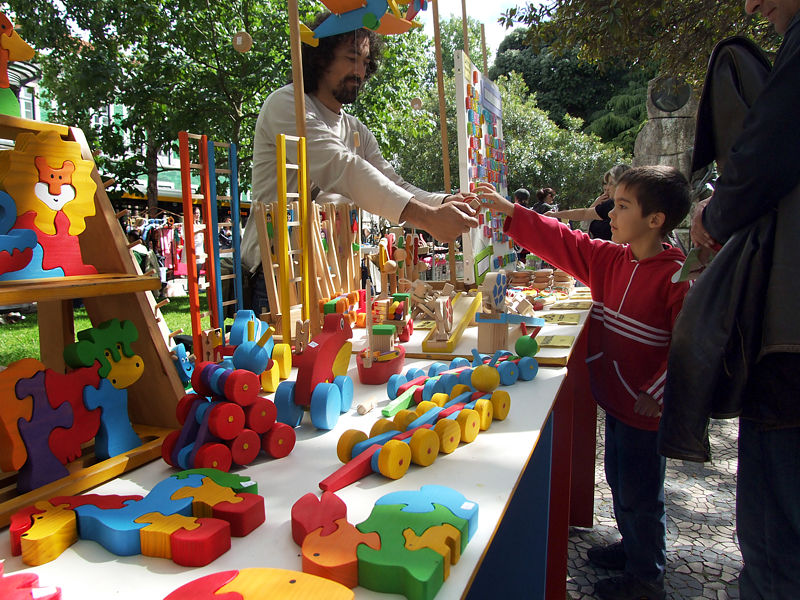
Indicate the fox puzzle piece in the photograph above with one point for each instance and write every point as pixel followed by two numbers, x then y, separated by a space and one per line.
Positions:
pixel 419 535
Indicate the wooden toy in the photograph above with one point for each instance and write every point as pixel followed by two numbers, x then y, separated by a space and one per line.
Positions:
pixel 451 321
pixel 406 545
pixel 322 386
pixel 25 586
pixel 349 16
pixel 173 521
pixel 183 363
pixel 115 434
pixel 495 318
pixel 310 513
pixel 66 442
pixel 12 48
pixel 382 357
pixel 225 422
pixel 16 245
pixel 261 584
pixel 13 453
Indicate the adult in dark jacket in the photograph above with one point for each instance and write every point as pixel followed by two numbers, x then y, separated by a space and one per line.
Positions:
pixel 762 174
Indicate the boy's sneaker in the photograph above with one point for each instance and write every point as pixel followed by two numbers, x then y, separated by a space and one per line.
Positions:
pixel 628 587
pixel 608 557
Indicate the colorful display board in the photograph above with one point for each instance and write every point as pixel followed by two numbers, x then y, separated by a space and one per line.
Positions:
pixel 481 157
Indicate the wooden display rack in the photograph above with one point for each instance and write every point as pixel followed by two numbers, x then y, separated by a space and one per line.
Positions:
pixel 117 291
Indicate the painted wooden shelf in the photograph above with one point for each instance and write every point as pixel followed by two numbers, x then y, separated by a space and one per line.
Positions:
pixel 76 286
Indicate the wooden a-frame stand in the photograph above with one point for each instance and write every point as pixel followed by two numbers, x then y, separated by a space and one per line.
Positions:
pixel 119 290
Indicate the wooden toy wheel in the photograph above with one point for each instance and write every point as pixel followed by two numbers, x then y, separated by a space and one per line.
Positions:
pixel 509 372
pixel 168 446
pixel 261 415
pixel 282 355
pixel 413 373
pixel 279 441
pixel 436 368
pixel 395 381
pixel 424 446
pixel 245 447
pixel 459 389
pixel 185 405
pixel 242 387
pixel 202 370
pixel 501 403
pixel 449 435
pixel 344 447
pixel 394 459
pixel 213 456
pixel 458 362
pixel 439 399
pixel 528 368
pixel 326 402
pixel 403 418
pixel 345 385
pixel 288 412
pixel 447 382
pixel 485 378
pixel 470 423
pixel 485 411
pixel 225 420
pixel 424 407
pixel 382 426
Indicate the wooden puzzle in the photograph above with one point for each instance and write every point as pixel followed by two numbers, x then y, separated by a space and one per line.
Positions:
pixel 25 586
pixel 12 48
pixel 406 546
pixel 45 416
pixel 225 422
pixel 188 517
pixel 261 584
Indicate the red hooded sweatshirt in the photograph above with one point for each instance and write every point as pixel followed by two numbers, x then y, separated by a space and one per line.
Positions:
pixel 634 306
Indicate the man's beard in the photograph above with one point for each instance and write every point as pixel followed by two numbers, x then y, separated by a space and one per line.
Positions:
pixel 345 93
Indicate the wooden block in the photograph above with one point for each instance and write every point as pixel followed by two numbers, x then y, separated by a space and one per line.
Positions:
pixel 68 389
pixel 358 468
pixel 443 539
pixel 334 555
pixel 52 531
pixel 464 309
pixel 12 447
pixel 428 496
pixel 115 434
pixel 199 547
pixel 310 513
pixel 244 516
pixel 42 465
pixel 251 584
pixel 157 529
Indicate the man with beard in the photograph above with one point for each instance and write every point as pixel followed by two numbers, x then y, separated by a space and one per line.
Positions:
pixel 344 160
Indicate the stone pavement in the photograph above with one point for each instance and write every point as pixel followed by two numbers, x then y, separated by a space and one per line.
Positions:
pixel 703 558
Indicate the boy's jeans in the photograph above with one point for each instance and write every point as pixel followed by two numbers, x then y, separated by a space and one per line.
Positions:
pixel 635 474
pixel 768 511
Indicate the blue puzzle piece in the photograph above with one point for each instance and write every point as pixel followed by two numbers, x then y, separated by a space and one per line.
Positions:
pixel 34 269
pixel 116 529
pixel 428 495
pixel 116 434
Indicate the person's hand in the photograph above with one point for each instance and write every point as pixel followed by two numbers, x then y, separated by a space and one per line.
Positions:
pixel 492 200
pixel 464 197
pixel 701 237
pixel 551 213
pixel 600 199
pixel 450 220
pixel 647 406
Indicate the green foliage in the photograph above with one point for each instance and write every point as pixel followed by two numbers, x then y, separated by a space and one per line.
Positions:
pixel 678 36
pixel 452 39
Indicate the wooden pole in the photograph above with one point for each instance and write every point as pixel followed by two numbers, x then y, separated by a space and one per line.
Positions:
pixel 300 122
pixel 465 25
pixel 483 50
pixel 437 38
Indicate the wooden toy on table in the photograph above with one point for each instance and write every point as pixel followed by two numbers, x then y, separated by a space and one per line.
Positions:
pixel 225 421
pixel 189 517
pixel 255 350
pixel 496 316
pixel 12 48
pixel 405 546
pixel 25 586
pixel 382 357
pixel 322 386
pixel 451 312
pixel 261 584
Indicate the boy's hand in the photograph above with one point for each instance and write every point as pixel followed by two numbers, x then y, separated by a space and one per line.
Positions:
pixel 492 200
pixel 647 406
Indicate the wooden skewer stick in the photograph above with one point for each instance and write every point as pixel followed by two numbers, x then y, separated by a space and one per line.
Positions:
pixel 122 213
pixel 172 334
pixel 107 184
pixel 164 302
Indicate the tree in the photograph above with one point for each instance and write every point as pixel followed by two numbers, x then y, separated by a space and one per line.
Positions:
pixel 678 36
pixel 170 64
pixel 452 38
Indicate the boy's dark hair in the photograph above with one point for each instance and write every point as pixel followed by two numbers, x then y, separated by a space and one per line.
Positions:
pixel 659 189
pixel 522 195
pixel 316 60
pixel 544 193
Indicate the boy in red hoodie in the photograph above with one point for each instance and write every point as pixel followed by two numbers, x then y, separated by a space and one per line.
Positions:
pixel 634 305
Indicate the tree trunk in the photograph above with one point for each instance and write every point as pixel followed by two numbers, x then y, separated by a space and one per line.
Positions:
pixel 151 162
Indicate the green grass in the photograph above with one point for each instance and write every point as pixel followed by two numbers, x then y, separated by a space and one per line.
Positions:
pixel 21 340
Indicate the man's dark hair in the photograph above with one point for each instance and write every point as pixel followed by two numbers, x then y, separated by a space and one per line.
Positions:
pixel 659 189
pixel 522 195
pixel 316 60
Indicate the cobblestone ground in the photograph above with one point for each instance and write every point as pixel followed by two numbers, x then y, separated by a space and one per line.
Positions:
pixel 703 558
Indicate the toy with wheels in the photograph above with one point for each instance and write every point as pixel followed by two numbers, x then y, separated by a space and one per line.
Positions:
pixel 322 387
pixel 256 351
pixel 225 422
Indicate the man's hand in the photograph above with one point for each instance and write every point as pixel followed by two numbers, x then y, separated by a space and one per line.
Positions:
pixel 465 197
pixel 701 237
pixel 647 406
pixel 445 222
